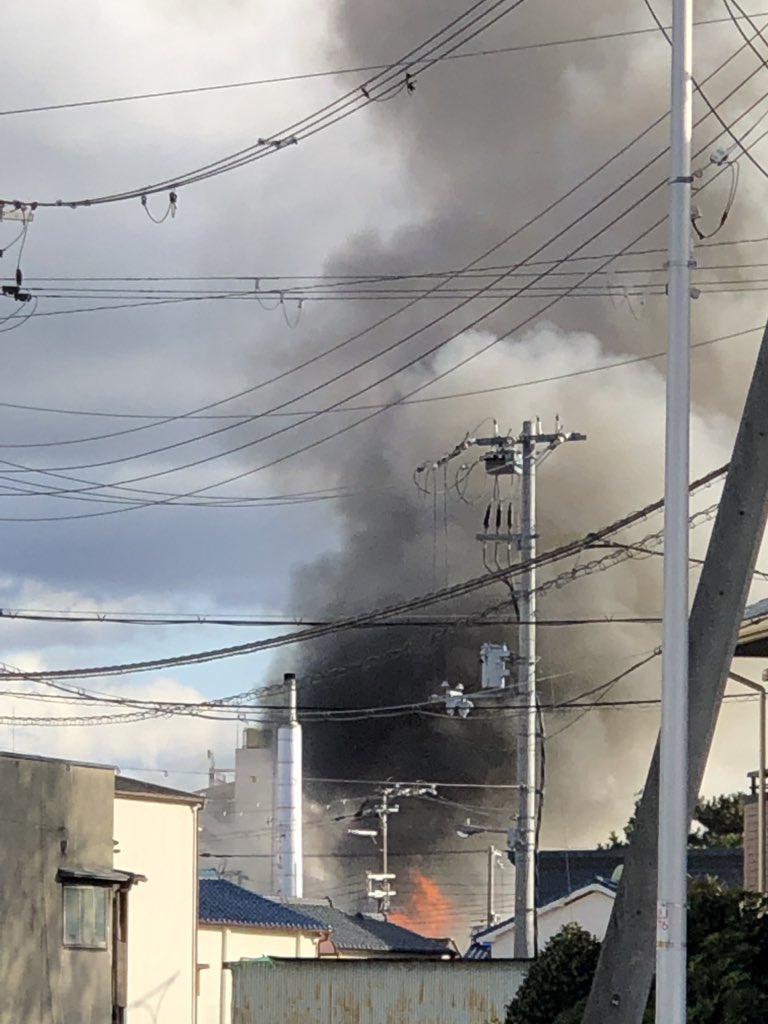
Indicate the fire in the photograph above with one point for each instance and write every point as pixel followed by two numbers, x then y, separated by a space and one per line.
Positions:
pixel 429 910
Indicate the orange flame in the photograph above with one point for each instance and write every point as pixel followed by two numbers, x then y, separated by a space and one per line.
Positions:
pixel 429 911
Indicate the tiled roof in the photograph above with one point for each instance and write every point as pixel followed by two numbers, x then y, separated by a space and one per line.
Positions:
pixel 478 951
pixel 564 872
pixel 753 634
pixel 561 872
pixel 359 931
pixel 756 610
pixel 223 902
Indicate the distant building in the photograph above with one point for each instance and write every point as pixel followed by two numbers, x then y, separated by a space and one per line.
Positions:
pixel 236 838
pixel 589 907
pixel 236 822
pixel 578 887
pixel 367 935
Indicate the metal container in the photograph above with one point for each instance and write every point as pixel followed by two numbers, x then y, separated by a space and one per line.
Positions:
pixel 272 991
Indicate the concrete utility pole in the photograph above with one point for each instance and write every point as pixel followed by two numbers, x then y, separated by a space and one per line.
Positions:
pixel 623 979
pixel 674 818
pixel 509 455
pixel 380 882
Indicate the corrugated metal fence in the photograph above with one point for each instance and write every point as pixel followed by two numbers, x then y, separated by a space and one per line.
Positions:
pixel 373 991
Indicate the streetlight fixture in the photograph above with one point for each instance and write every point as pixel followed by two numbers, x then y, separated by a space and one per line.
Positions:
pixel 366 833
pixel 468 829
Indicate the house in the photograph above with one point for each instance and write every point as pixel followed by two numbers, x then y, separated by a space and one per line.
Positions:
pixel 753 634
pixel 589 907
pixel 64 908
pixel 235 924
pixel 156 828
pixel 578 886
pixel 360 936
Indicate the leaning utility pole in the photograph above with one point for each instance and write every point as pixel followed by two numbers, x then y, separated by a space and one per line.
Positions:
pixel 510 455
pixel 624 972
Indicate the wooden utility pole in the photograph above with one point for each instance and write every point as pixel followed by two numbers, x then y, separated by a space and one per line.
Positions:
pixel 625 970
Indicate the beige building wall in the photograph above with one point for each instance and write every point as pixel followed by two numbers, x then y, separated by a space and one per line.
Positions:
pixel 53 814
pixel 158 838
pixel 219 944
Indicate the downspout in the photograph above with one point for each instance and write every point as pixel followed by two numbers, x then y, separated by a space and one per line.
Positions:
pixel 195 907
pixel 223 979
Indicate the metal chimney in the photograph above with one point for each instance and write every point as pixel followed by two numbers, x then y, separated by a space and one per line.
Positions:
pixel 287 840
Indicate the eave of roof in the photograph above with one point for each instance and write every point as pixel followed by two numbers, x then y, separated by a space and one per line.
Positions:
pixel 137 789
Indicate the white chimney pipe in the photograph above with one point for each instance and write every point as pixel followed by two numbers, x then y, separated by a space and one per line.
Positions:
pixel 287 840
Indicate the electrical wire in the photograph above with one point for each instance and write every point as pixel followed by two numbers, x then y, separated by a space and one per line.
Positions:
pixel 476 19
pixel 320 441
pixel 632 360
pixel 351 426
pixel 309 76
pixel 454 590
pixel 91 484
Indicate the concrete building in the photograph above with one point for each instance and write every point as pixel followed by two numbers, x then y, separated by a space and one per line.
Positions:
pixel 237 816
pixel 63 907
pixel 157 828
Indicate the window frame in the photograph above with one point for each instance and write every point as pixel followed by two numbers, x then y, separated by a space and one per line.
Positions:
pixel 99 937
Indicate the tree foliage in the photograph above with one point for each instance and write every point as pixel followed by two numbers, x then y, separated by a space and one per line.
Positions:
pixel 557 979
pixel 727 958
pixel 718 821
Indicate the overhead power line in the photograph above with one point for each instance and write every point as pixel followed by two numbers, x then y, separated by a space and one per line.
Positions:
pixel 398 76
pixel 124 484
pixel 629 361
pixel 207 619
pixel 352 622
pixel 89 486
pixel 361 69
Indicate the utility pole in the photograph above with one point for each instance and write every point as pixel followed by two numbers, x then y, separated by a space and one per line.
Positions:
pixel 674 817
pixel 622 981
pixel 380 882
pixel 518 456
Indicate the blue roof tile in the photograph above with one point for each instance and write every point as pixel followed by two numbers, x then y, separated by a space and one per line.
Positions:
pixel 223 902
pixel 375 935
